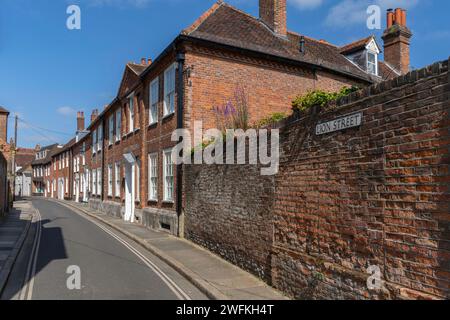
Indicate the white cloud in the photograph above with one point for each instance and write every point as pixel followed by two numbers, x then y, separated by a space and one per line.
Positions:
pixel 306 4
pixel 350 12
pixel 66 111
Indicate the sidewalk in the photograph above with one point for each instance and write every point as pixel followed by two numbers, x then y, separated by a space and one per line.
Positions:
pixel 217 278
pixel 13 230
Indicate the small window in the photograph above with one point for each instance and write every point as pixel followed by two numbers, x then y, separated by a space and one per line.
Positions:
pixel 94 182
pixel 100 138
pixel 138 180
pixel 94 141
pixel 111 130
pixel 117 177
pixel 110 181
pixel 372 63
pixel 154 97
pixel 169 90
pixel 153 176
pixel 99 182
pixel 131 113
pixel 168 176
pixel 118 125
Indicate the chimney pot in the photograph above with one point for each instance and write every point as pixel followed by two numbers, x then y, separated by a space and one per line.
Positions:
pixel 149 61
pixel 398 16
pixel 94 115
pixel 143 61
pixel 396 40
pixel 80 121
pixel 390 18
pixel 404 18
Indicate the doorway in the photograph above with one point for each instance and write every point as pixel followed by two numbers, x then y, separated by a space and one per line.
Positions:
pixel 130 162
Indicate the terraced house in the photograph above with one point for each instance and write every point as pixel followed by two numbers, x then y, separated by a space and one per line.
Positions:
pixel 129 170
pixel 42 171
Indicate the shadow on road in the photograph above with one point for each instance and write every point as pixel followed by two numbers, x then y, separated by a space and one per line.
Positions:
pixel 29 262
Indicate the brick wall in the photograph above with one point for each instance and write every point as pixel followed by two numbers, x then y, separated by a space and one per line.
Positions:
pixel 374 195
pixel 270 86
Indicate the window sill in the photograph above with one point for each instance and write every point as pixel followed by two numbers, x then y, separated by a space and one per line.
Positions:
pixel 152 201
pixel 168 201
pixel 169 115
pixel 153 124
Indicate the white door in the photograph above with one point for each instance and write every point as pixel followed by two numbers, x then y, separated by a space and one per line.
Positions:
pixel 129 192
pixel 77 188
pixel 61 189
pixel 83 177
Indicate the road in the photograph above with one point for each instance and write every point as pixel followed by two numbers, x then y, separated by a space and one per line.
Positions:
pixel 65 249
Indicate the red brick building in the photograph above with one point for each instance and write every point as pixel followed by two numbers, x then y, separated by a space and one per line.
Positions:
pixel 130 170
pixel 42 171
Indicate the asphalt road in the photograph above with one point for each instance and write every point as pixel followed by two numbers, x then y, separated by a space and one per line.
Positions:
pixel 110 265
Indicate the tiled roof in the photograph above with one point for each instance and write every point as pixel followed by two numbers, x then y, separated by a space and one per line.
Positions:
pixel 355 46
pixel 387 72
pixel 3 110
pixel 137 68
pixel 52 149
pixel 24 159
pixel 227 25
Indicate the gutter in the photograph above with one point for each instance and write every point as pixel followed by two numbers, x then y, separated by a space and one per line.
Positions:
pixel 180 108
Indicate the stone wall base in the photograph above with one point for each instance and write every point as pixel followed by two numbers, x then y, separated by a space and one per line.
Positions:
pixel 156 219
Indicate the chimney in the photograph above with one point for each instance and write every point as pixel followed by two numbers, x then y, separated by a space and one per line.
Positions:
pixel 397 39
pixel 94 115
pixel 80 121
pixel 273 14
pixel 143 61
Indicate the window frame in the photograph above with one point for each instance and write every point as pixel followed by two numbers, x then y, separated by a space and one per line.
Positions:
pixel 153 120
pixel 110 181
pixel 374 64
pixel 131 113
pixel 117 179
pixel 111 125
pixel 166 186
pixel 153 176
pixel 118 125
pixel 167 110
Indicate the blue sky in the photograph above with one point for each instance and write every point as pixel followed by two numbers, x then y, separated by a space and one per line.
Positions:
pixel 49 72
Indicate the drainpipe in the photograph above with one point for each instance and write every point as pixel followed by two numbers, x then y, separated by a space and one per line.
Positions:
pixel 180 108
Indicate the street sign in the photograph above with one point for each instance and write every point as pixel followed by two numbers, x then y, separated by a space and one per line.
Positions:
pixel 350 121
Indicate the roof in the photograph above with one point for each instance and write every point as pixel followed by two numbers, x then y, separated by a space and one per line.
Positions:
pixel 387 72
pixel 24 159
pixel 52 148
pixel 136 68
pixel 3 110
pixel 66 147
pixel 227 25
pixel 356 45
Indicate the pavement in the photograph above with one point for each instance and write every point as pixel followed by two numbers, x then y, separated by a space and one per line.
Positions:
pixel 13 231
pixel 215 277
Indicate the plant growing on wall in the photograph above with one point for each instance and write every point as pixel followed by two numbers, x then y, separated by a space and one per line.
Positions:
pixel 271 119
pixel 319 98
pixel 234 113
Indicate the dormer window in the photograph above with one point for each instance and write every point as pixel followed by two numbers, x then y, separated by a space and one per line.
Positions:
pixel 372 63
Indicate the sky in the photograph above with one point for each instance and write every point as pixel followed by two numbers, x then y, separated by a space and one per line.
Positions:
pixel 48 72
